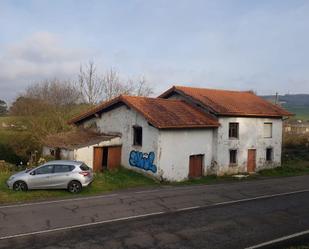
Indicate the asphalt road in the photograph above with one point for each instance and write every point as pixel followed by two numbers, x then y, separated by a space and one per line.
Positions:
pixel 233 215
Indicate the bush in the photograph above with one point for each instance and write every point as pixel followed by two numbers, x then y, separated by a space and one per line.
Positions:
pixel 7 153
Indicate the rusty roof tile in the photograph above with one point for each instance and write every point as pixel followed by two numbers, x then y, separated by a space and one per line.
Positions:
pixel 161 113
pixel 229 103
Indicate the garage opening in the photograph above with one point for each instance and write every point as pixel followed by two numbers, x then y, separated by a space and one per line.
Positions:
pixel 196 166
pixel 106 158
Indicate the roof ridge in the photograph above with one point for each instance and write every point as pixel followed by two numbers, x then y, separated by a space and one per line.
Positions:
pixel 213 89
pixel 152 98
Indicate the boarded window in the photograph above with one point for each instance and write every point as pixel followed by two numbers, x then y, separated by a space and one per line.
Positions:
pixel 233 130
pixel 268 130
pixel 269 154
pixel 137 135
pixel 233 157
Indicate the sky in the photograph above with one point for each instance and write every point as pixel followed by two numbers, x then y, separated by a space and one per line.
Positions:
pixel 228 44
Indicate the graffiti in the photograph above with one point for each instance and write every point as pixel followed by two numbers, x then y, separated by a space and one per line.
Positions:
pixel 143 160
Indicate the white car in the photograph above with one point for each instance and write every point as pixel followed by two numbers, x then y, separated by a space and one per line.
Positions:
pixel 60 174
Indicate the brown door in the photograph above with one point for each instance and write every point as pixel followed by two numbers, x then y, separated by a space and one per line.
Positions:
pixel 97 158
pixel 114 157
pixel 251 163
pixel 196 166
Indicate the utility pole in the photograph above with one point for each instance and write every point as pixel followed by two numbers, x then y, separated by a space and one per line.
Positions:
pixel 276 99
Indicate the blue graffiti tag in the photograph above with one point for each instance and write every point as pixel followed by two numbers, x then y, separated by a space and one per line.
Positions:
pixel 143 160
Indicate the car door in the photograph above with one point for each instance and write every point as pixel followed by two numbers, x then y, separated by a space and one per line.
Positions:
pixel 61 176
pixel 40 178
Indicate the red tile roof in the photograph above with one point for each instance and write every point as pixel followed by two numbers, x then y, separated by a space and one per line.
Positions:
pixel 229 103
pixel 161 113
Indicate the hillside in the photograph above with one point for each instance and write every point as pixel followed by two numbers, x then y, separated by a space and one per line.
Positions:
pixel 295 103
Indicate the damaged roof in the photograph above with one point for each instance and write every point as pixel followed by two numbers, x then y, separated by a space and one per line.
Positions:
pixel 161 113
pixel 75 139
pixel 229 103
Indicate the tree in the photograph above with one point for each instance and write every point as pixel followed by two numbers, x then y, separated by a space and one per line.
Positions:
pixel 142 88
pixel 54 92
pixel 91 87
pixel 3 107
pixel 96 88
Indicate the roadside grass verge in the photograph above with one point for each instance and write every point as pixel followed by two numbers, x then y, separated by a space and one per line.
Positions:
pixel 124 178
pixel 104 182
pixel 288 168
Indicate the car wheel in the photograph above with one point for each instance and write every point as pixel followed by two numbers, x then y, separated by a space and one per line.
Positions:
pixel 74 187
pixel 20 186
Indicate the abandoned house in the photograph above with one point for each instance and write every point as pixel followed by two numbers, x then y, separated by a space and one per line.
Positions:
pixel 185 132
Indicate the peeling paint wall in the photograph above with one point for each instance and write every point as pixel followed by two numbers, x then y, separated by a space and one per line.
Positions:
pixel 121 120
pixel 251 136
pixel 176 147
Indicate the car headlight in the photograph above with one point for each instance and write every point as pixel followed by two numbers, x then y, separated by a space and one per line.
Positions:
pixel 11 178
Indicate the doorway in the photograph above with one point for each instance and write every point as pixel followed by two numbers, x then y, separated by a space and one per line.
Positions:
pixel 196 166
pixel 106 158
pixel 251 161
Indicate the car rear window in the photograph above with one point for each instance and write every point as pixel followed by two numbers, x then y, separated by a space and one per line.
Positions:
pixel 63 168
pixel 84 167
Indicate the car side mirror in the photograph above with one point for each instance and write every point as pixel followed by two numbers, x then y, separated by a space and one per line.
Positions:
pixel 32 173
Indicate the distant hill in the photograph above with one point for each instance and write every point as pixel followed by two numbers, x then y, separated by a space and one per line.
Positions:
pixel 295 103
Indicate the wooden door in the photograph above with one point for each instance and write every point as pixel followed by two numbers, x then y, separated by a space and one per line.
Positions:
pixel 196 166
pixel 251 162
pixel 97 158
pixel 114 157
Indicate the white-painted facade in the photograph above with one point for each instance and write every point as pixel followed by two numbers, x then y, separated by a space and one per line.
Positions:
pixel 172 148
pixel 251 136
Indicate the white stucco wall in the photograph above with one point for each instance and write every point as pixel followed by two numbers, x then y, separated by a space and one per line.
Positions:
pixel 176 147
pixel 65 154
pixel 121 120
pixel 85 154
pixel 251 136
pixel 173 148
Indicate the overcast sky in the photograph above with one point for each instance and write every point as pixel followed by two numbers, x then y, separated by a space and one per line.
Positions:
pixel 246 45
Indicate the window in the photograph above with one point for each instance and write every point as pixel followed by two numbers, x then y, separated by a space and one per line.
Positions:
pixel 52 152
pixel 269 154
pixel 84 167
pixel 233 130
pixel 233 157
pixel 268 127
pixel 63 168
pixel 48 169
pixel 137 135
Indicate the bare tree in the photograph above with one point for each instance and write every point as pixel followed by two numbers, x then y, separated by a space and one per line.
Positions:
pixel 142 88
pixel 90 84
pixel 54 91
pixel 113 86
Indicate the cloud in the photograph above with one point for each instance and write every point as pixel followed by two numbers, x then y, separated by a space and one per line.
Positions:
pixel 39 56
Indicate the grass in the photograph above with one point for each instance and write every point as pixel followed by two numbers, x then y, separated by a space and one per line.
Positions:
pixel 289 168
pixel 123 178
pixel 104 182
pixel 301 112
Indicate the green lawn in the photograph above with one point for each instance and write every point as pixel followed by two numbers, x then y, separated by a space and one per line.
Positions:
pixel 301 112
pixel 119 179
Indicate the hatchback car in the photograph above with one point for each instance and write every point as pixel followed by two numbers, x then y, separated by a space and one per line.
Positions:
pixel 61 174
